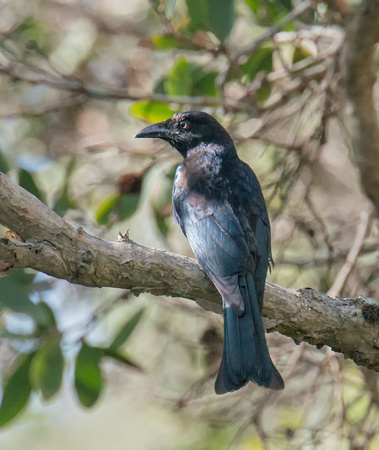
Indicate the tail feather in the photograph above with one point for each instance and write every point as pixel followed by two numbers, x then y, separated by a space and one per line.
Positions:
pixel 245 353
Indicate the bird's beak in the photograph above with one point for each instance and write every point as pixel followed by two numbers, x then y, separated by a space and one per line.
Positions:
pixel 158 131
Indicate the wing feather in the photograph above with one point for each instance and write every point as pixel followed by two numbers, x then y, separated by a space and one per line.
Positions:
pixel 218 242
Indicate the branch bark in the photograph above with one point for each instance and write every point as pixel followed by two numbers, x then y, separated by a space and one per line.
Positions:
pixel 51 245
pixel 357 61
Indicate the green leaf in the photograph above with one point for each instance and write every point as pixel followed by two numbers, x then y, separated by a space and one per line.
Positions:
pixel 221 15
pixel 63 203
pixel 263 93
pixel 206 85
pixel 4 166
pixel 198 13
pixel 358 408
pixel 122 205
pixel 162 42
pixel 212 15
pixel 46 371
pixel 121 358
pixel 259 61
pixel 286 5
pixel 26 180
pixel 33 29
pixel 128 205
pixel 162 224
pixel 151 111
pixel 254 5
pixel 279 9
pixel 48 321
pixel 14 289
pixel 105 208
pixel 21 277
pixel 88 378
pixel 188 79
pixel 304 50
pixel 179 80
pixel 267 13
pixel 155 4
pixel 16 391
pixel 126 331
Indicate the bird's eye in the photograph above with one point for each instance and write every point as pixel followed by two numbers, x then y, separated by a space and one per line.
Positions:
pixel 183 125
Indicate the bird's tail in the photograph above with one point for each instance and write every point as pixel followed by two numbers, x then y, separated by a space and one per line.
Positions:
pixel 245 354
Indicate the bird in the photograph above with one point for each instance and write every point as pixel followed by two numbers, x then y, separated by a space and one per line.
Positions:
pixel 219 205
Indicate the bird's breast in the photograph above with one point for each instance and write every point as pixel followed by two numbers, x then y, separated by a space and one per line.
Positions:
pixel 200 176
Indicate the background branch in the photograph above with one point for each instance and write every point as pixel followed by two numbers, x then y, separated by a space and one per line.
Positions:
pixel 352 256
pixel 358 73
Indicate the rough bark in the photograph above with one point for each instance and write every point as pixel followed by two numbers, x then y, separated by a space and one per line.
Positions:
pixel 51 245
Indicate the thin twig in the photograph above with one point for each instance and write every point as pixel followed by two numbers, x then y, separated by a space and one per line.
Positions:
pixel 296 12
pixel 321 260
pixel 37 76
pixel 352 256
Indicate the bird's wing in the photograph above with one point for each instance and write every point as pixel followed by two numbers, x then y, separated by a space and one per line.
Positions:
pixel 217 240
pixel 253 216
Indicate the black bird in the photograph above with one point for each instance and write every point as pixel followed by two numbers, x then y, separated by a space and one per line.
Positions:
pixel 220 208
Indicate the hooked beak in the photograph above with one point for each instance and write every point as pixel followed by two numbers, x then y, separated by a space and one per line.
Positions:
pixel 158 131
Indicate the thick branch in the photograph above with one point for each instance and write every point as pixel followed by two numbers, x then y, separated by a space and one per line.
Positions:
pixel 359 77
pixel 55 247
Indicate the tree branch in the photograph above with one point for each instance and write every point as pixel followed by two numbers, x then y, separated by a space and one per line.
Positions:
pixel 35 75
pixel 357 61
pixel 51 245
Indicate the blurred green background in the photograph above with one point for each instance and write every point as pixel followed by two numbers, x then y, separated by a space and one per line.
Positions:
pixel 87 368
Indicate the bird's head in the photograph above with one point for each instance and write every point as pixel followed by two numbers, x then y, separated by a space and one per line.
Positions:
pixel 187 130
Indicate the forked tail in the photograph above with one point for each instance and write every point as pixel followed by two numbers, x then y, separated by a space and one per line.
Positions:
pixel 245 354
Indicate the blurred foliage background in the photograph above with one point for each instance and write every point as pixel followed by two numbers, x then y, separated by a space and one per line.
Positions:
pixel 88 368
